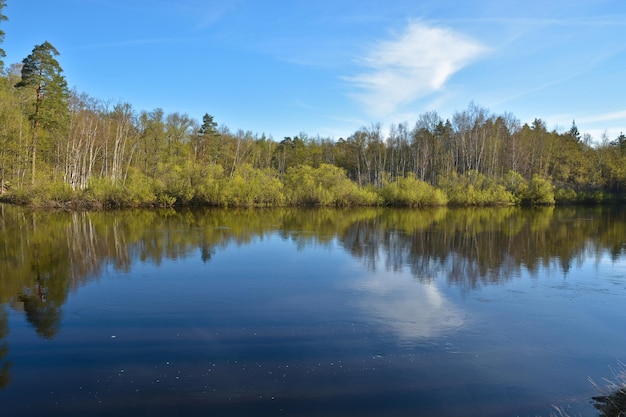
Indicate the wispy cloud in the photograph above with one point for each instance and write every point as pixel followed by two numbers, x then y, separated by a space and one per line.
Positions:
pixel 130 43
pixel 415 64
pixel 605 117
pixel 203 13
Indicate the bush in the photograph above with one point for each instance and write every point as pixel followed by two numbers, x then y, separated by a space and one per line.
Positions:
pixel 475 189
pixel 251 187
pixel 101 191
pixel 540 191
pixel 46 194
pixel 517 186
pixel 205 182
pixel 174 184
pixel 327 185
pixel 139 189
pixel 411 192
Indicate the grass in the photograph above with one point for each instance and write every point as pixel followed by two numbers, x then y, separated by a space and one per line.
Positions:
pixel 612 399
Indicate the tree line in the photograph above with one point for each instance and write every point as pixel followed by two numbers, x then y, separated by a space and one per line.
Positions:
pixel 62 146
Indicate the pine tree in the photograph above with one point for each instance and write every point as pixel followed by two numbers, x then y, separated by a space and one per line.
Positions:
pixel 42 77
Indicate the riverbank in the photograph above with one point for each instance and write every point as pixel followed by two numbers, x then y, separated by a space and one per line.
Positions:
pixel 325 186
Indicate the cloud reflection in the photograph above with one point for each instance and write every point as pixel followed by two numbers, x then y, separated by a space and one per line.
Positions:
pixel 410 308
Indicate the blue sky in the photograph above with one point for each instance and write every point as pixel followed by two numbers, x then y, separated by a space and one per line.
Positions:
pixel 329 67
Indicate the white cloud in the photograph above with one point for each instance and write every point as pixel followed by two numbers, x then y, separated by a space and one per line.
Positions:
pixel 414 65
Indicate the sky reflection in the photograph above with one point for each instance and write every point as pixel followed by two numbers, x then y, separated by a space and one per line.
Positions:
pixel 311 312
pixel 410 308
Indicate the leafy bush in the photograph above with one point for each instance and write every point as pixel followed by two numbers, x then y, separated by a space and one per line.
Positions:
pixel 139 189
pixel 475 189
pixel 411 192
pixel 174 184
pixel 327 185
pixel 540 191
pixel 102 192
pixel 252 187
pixel 517 186
pixel 45 194
pixel 205 182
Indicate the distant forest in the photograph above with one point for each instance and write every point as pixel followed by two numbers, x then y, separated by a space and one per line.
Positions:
pixel 60 147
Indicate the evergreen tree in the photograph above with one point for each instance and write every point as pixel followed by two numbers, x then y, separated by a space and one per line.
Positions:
pixel 573 132
pixel 205 143
pixel 42 77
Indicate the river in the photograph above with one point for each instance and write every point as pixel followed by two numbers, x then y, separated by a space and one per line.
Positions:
pixel 318 312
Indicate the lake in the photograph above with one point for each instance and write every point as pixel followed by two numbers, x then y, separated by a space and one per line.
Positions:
pixel 359 312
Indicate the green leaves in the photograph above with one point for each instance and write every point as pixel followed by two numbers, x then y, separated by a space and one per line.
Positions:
pixel 49 96
pixel 42 76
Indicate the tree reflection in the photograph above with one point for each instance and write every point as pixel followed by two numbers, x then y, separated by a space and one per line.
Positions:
pixel 42 314
pixel 44 256
pixel 43 300
pixel 471 247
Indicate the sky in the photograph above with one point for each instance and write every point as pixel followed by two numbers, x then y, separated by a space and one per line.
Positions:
pixel 330 67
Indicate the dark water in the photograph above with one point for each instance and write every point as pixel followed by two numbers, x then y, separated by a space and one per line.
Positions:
pixel 490 312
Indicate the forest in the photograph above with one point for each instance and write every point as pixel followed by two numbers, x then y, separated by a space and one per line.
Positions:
pixel 63 148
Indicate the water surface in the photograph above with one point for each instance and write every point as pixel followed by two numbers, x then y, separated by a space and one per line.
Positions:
pixel 485 312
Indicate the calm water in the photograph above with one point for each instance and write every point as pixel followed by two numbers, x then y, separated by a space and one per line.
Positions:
pixel 490 312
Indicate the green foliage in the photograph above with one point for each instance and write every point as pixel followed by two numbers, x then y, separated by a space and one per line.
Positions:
pixel 540 191
pixel 46 194
pixel 174 184
pixel 475 189
pixel 101 192
pixel 517 186
pixel 570 196
pixel 139 189
pixel 205 181
pixel 251 187
pixel 409 191
pixel 42 76
pixel 327 185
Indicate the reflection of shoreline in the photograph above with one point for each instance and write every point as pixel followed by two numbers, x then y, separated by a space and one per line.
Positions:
pixel 411 309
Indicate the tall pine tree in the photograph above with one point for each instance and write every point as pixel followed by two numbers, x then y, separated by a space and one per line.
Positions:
pixel 42 78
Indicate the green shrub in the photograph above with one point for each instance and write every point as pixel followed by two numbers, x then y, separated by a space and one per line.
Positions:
pixel 250 187
pixel 101 191
pixel 540 191
pixel 411 192
pixel 139 189
pixel 55 193
pixel 517 186
pixel 475 189
pixel 174 184
pixel 205 182
pixel 327 185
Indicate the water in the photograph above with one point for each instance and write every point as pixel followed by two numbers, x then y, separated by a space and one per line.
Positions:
pixel 485 312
